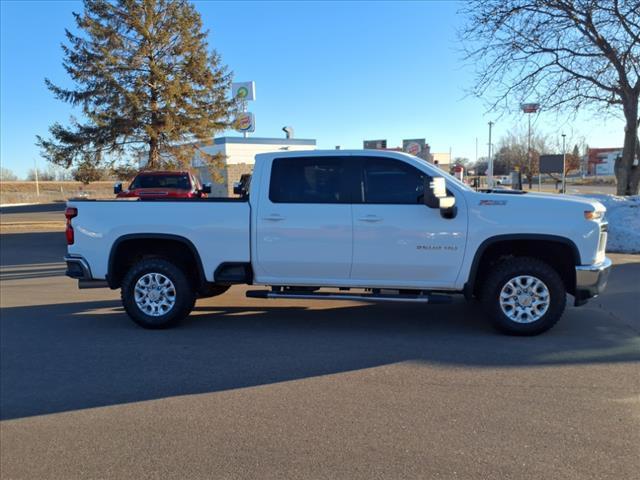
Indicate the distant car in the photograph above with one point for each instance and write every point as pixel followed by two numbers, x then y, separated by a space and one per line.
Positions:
pixel 503 180
pixel 163 185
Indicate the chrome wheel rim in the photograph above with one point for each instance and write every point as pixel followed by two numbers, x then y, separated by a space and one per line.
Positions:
pixel 525 299
pixel 155 294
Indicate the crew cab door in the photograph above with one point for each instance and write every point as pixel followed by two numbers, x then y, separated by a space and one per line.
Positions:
pixel 398 241
pixel 304 223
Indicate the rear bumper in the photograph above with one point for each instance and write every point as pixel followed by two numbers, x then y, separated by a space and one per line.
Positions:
pixel 78 268
pixel 591 280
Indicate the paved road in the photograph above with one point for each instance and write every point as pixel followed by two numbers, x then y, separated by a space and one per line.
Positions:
pixel 266 389
pixel 43 212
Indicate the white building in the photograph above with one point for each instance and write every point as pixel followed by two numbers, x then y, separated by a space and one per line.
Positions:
pixel 443 160
pixel 239 156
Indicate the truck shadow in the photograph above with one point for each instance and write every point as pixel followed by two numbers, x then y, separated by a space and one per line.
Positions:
pixel 71 356
pixel 34 208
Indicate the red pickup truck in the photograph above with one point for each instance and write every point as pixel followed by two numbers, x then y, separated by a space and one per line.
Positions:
pixel 163 185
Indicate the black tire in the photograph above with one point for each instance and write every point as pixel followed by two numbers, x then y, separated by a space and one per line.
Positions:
pixel 212 290
pixel 523 266
pixel 184 293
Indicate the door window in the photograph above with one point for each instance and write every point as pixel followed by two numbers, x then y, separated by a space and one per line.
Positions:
pixel 390 181
pixel 310 180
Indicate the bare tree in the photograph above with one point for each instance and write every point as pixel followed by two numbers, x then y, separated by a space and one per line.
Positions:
pixel 7 175
pixel 566 54
pixel 512 153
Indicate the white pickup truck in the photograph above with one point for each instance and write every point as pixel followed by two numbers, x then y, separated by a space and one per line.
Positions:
pixel 361 225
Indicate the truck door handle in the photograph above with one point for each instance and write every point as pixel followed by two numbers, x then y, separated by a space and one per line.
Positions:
pixel 274 217
pixel 370 218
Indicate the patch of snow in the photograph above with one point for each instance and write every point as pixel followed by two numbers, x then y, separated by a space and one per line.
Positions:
pixel 623 215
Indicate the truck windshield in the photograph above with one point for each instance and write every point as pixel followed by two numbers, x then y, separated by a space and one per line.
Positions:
pixel 161 181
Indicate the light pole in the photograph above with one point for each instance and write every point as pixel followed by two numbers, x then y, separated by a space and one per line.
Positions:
pixel 476 161
pixel 564 166
pixel 530 108
pixel 490 161
pixel 35 172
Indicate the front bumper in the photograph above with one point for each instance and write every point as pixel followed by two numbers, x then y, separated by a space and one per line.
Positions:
pixel 591 280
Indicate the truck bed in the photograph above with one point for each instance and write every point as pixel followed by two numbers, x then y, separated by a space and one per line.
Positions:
pixel 218 228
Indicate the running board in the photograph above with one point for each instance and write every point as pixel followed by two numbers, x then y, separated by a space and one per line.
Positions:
pixel 365 297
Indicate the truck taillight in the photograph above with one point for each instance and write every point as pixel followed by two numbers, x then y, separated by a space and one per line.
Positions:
pixel 70 213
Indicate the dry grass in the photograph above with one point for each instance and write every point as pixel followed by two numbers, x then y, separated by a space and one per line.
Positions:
pixel 602 180
pixel 25 192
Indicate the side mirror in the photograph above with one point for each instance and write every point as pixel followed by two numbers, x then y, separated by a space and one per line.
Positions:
pixel 242 187
pixel 435 196
pixel 117 188
pixel 206 188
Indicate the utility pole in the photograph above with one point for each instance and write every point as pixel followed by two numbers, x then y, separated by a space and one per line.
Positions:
pixel 35 171
pixel 476 150
pixel 564 166
pixel 490 161
pixel 531 108
pixel 529 155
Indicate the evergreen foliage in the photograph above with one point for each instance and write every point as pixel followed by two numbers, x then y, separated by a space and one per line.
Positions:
pixel 147 85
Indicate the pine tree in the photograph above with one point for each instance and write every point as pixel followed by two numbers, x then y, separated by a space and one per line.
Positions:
pixel 146 83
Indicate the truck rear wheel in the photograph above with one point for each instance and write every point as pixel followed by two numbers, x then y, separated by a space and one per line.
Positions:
pixel 156 293
pixel 523 296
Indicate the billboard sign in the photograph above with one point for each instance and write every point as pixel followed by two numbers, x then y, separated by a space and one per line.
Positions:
pixel 245 122
pixel 530 107
pixel 374 144
pixel 414 146
pixel 552 163
pixel 245 91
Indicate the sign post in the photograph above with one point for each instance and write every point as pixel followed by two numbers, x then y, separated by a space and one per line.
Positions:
pixel 531 108
pixel 490 161
pixel 564 165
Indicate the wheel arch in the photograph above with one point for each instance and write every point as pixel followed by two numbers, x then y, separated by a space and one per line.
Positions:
pixel 128 247
pixel 542 246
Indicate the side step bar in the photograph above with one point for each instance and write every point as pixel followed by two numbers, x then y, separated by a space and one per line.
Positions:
pixel 365 297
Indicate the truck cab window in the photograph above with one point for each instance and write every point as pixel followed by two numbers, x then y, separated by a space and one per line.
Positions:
pixel 309 180
pixel 390 181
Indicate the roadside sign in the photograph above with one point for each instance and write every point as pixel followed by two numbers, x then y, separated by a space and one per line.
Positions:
pixel 552 163
pixel 530 107
pixel 245 122
pixel 413 146
pixel 374 144
pixel 245 91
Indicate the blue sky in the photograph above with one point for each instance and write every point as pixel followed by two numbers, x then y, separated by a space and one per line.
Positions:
pixel 338 72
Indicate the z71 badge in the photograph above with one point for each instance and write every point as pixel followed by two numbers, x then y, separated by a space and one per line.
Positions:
pixel 493 202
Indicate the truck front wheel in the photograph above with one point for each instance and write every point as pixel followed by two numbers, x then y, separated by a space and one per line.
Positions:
pixel 523 296
pixel 156 293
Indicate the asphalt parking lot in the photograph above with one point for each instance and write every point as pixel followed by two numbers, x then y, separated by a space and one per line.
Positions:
pixel 250 388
